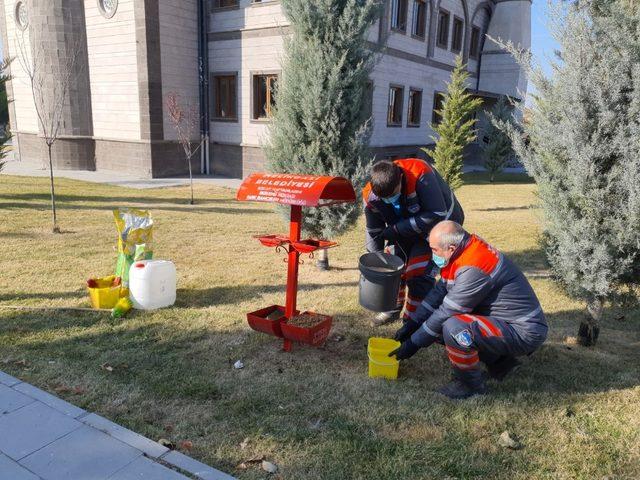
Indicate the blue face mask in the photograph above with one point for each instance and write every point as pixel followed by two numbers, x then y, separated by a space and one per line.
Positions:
pixel 392 200
pixel 440 262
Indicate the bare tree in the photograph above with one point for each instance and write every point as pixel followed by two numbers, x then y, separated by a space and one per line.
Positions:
pixel 184 118
pixel 50 91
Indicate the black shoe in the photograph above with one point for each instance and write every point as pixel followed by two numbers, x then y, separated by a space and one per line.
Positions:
pixel 458 390
pixel 503 367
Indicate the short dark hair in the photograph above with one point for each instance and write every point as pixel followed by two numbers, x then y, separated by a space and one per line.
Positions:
pixel 385 177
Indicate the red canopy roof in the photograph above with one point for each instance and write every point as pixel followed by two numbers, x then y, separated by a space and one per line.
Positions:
pixel 293 189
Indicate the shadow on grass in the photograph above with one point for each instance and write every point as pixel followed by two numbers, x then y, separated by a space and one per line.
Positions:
pixel 482 178
pixel 507 209
pixel 186 208
pixel 224 295
pixel 66 198
pixel 4 297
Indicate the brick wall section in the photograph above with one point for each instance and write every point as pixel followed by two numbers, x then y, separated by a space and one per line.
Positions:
pixel 147 21
pixel 226 160
pixel 75 153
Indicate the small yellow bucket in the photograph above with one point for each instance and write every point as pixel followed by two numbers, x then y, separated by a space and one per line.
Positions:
pixel 380 363
pixel 106 294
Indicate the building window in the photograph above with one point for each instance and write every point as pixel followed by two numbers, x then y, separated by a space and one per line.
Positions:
pixel 419 18
pixel 399 15
pixel 415 107
pixel 438 104
pixel 474 48
pixel 225 97
pixel 396 97
pixel 458 34
pixel 264 87
pixel 225 3
pixel 21 15
pixel 108 7
pixel 443 29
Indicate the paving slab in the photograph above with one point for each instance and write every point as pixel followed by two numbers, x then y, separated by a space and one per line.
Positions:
pixel 14 167
pixel 145 469
pixel 42 437
pixel 194 467
pixel 32 427
pixel 11 400
pixel 10 470
pixel 51 400
pixel 8 380
pixel 135 440
pixel 84 454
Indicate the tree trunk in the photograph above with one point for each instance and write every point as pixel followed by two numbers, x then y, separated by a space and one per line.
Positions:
pixel 492 177
pixel 590 326
pixel 191 180
pixel 323 259
pixel 53 193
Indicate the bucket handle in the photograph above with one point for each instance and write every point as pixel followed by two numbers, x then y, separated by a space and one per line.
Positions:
pixel 382 364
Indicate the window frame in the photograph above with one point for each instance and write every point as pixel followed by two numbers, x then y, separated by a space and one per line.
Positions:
pixel 444 44
pixel 214 97
pixel 435 118
pixel 403 28
pixel 414 22
pixel 410 123
pixel 459 21
pixel 254 74
pixel 475 52
pixel 395 86
pixel 215 5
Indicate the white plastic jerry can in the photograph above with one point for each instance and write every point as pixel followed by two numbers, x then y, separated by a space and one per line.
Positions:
pixel 152 284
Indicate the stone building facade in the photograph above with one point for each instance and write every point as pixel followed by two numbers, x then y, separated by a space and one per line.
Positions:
pixel 129 54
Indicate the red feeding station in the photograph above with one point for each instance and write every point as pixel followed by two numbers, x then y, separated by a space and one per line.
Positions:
pixel 297 191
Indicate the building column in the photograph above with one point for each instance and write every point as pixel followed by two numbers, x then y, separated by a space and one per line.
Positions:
pixel 58 37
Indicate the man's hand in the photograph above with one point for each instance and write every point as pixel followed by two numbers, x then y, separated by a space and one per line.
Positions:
pixel 390 233
pixel 406 350
pixel 406 330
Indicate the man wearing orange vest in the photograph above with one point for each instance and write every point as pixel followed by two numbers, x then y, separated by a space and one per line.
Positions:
pixel 483 309
pixel 403 201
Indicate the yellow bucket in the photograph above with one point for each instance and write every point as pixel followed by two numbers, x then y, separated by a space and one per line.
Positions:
pixel 106 295
pixel 380 363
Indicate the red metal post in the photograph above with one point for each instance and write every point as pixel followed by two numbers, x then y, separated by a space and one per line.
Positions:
pixel 292 271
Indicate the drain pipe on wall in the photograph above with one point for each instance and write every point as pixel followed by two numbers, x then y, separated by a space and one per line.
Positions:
pixel 203 77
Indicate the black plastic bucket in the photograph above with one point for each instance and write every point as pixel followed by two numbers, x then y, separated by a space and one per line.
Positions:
pixel 379 281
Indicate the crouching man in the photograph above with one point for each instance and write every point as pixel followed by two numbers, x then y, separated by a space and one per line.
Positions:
pixel 482 309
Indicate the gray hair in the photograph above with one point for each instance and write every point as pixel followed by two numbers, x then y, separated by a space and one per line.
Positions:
pixel 454 237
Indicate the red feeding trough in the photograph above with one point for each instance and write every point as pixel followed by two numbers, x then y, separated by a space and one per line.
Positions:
pixel 298 191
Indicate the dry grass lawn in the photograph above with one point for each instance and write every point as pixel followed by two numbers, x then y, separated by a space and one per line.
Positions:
pixel 313 412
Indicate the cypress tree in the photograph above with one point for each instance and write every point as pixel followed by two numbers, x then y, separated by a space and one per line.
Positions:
pixel 456 128
pixel 319 126
pixel 582 146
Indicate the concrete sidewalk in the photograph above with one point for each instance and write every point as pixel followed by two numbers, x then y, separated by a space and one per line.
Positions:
pixel 24 169
pixel 45 438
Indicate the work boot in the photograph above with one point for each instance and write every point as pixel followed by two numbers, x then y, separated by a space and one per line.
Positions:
pixel 464 384
pixel 383 318
pixel 502 367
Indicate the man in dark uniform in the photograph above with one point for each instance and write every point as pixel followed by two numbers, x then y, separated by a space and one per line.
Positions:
pixel 482 309
pixel 403 201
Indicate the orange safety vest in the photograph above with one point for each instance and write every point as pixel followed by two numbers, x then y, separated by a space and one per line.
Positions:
pixel 412 168
pixel 477 253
